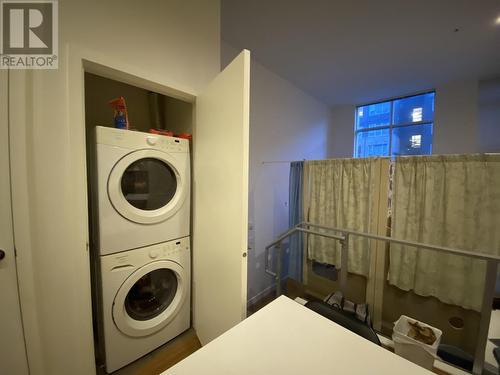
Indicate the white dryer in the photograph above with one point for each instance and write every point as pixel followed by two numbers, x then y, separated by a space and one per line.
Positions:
pixel 143 189
pixel 145 299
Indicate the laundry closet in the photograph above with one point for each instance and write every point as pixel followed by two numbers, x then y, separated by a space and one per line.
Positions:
pixel 167 214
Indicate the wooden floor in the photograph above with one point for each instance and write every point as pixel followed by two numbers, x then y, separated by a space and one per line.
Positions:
pixel 162 358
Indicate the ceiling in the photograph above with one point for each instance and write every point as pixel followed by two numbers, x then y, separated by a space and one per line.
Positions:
pixel 357 51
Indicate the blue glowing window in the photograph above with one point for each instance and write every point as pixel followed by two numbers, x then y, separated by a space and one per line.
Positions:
pixel 401 126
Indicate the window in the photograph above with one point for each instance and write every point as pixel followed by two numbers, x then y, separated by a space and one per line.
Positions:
pixel 400 126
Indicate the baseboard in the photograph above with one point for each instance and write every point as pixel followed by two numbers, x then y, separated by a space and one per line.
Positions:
pixel 270 289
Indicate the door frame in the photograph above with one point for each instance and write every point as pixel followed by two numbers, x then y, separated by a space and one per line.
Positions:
pixel 20 105
pixel 80 61
pixel 10 249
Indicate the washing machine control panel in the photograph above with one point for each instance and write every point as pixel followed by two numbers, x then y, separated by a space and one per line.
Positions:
pixel 125 260
pixel 154 253
pixel 168 249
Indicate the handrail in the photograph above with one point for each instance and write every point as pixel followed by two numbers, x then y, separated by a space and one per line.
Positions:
pixel 443 249
pixel 287 234
pixel 340 238
pixel 282 237
pixel 343 237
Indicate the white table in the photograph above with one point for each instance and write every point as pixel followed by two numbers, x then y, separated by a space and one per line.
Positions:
pixel 286 338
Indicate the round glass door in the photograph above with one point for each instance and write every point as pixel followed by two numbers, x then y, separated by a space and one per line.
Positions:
pixel 150 298
pixel 151 294
pixel 148 184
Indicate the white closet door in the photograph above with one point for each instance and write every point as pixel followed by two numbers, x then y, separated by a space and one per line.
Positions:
pixel 12 349
pixel 220 195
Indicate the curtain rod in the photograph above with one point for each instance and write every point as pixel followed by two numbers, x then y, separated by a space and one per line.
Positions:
pixel 280 161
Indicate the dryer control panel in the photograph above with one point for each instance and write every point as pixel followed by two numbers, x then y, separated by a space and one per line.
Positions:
pixel 139 140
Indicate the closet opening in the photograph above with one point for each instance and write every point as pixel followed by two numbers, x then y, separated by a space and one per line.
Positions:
pixel 151 111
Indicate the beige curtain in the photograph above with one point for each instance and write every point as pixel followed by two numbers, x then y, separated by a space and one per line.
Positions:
pixel 341 194
pixel 448 201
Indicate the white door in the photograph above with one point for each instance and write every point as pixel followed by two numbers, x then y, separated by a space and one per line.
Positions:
pixel 12 349
pixel 220 196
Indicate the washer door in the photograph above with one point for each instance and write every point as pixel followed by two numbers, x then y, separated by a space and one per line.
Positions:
pixel 146 187
pixel 150 298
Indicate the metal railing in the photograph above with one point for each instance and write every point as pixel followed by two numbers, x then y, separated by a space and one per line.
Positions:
pixel 342 235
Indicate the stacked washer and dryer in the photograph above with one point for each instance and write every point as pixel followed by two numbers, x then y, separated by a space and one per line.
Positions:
pixel 141 214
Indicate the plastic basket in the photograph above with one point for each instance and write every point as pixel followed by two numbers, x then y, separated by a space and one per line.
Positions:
pixel 411 349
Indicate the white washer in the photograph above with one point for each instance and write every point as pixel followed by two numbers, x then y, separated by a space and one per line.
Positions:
pixel 145 299
pixel 143 189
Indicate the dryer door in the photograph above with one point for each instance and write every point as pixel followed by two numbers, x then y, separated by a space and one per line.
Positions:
pixel 150 298
pixel 147 186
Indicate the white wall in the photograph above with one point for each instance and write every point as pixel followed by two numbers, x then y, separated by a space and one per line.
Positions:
pixel 174 42
pixel 456 118
pixel 489 115
pixel 456 128
pixel 285 124
pixel 341 133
